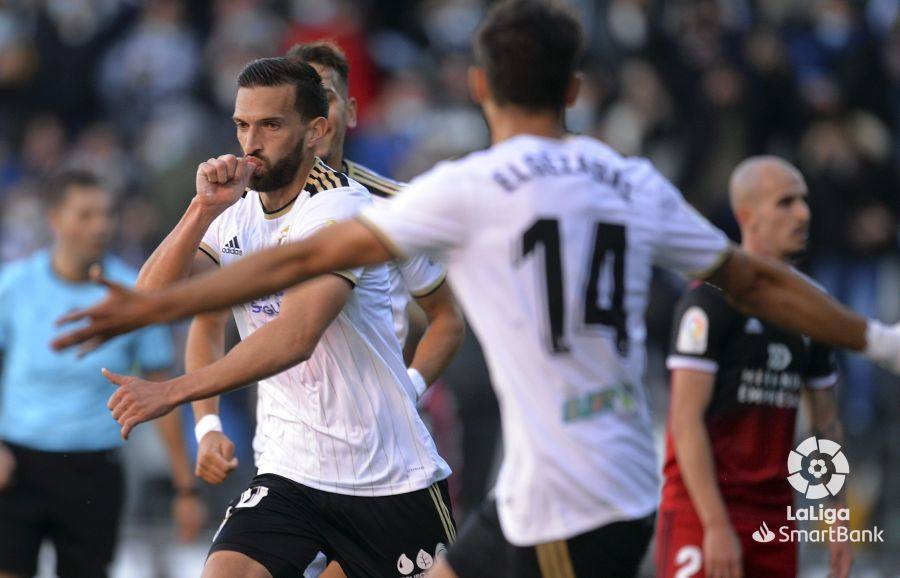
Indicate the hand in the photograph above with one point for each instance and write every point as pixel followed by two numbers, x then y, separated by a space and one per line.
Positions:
pixel 722 552
pixel 215 457
pixel 840 559
pixel 7 467
pixel 121 311
pixel 137 400
pixel 189 514
pixel 222 181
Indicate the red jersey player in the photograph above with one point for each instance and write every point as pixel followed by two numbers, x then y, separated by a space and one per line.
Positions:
pixel 736 385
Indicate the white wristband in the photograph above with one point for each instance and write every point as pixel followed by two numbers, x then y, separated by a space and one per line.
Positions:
pixel 883 345
pixel 209 422
pixel 418 381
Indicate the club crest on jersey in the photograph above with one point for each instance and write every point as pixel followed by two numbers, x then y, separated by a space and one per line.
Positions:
pixel 232 247
pixel 779 356
pixel 753 326
pixel 693 333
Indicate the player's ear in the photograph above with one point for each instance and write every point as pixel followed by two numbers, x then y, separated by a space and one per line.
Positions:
pixel 744 216
pixel 574 88
pixel 316 130
pixel 478 85
pixel 351 112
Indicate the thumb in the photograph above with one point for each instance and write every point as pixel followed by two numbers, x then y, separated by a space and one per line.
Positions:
pixel 245 170
pixel 113 378
pixel 227 448
pixel 228 454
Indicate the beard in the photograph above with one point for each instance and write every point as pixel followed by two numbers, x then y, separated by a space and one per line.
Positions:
pixel 282 172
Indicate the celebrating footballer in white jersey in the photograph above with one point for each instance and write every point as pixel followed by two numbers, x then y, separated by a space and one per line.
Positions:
pixel 562 279
pixel 549 241
pixel 346 466
pixel 343 421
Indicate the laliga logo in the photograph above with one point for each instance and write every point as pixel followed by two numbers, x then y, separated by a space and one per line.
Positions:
pixel 812 485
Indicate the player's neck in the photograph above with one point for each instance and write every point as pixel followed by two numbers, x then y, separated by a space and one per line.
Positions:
pixel 507 122
pixel 335 161
pixel 755 247
pixel 278 198
pixel 67 266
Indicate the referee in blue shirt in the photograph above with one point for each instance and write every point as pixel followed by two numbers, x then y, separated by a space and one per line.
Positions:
pixel 60 473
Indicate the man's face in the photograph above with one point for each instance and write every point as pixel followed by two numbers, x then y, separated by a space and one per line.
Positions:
pixel 782 215
pixel 270 129
pixel 341 115
pixel 83 222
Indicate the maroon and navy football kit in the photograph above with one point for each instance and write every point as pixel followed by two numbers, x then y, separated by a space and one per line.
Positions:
pixel 760 374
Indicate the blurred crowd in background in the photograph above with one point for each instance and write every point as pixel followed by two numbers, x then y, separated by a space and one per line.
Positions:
pixel 142 91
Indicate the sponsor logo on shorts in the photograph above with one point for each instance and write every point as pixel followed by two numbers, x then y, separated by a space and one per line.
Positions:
pixel 424 561
pixel 404 565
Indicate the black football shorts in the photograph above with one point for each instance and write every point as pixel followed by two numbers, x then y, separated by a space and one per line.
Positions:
pixel 283 525
pixel 611 551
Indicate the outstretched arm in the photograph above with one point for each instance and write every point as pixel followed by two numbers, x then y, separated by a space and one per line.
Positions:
pixel 770 290
pixel 342 246
pixel 282 343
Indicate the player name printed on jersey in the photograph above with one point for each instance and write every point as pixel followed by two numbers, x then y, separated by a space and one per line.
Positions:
pixel 550 245
pixel 351 400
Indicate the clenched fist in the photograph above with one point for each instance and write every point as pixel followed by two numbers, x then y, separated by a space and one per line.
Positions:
pixel 215 457
pixel 221 181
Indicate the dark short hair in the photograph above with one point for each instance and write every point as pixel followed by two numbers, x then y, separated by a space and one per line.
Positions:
pixel 529 51
pixel 57 187
pixel 311 100
pixel 324 53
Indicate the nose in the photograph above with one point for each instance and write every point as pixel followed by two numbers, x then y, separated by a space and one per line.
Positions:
pixel 252 141
pixel 801 210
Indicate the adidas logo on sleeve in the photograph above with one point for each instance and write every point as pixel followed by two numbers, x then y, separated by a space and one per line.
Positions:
pixel 232 247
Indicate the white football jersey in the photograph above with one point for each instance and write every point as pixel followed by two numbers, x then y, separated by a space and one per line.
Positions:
pixel 417 276
pixel 549 245
pixel 343 421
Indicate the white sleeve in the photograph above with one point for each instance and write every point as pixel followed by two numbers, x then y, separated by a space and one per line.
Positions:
pixel 687 243
pixel 211 244
pixel 327 208
pixel 421 275
pixel 428 216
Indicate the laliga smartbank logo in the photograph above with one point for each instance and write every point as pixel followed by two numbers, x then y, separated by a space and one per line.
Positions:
pixel 808 466
pixel 817 468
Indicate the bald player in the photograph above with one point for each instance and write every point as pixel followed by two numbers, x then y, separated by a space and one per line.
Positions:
pixel 736 384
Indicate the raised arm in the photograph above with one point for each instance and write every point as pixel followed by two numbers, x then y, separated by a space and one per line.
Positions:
pixel 220 183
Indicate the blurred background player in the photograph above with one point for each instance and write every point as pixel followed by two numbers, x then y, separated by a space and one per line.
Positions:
pixel 420 277
pixel 736 386
pixel 345 464
pixel 60 471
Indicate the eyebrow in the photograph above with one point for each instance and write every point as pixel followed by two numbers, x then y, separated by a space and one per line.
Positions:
pixel 267 119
